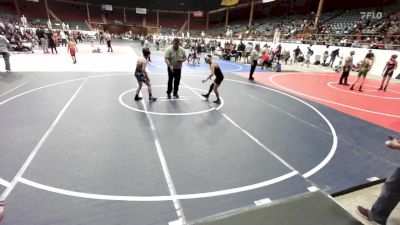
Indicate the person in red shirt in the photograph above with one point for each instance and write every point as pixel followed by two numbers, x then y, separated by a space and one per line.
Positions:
pixel 265 60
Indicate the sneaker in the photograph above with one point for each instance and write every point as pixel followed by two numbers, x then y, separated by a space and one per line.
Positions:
pixel 205 96
pixel 251 78
pixel 217 101
pixel 176 96
pixel 8 71
pixel 152 99
pixel 138 98
pixel 346 84
pixel 168 95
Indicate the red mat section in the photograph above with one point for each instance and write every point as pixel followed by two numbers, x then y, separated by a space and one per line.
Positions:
pixel 378 107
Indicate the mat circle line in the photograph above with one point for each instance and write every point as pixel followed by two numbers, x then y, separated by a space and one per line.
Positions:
pixel 357 93
pixel 167 114
pixel 325 100
pixel 195 195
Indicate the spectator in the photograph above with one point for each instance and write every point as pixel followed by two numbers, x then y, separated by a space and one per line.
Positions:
pixel 389 197
pixel 296 54
pixel 248 50
pixel 334 54
pixel 265 60
pixel 255 55
pixel 348 64
pixel 4 46
pixel 1 210
pixel 325 57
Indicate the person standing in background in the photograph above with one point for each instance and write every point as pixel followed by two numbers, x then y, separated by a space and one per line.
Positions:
pixel 389 196
pixel 4 47
pixel 51 41
pixel 72 49
pixel 391 65
pixel 63 38
pixel 108 39
pixel 334 54
pixel 247 51
pixel 1 210
pixel 255 55
pixel 348 64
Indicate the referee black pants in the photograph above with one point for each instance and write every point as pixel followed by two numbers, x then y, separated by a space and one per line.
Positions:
pixel 174 77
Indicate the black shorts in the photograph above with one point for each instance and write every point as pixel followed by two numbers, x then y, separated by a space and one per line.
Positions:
pixel 388 74
pixel 140 77
pixel 109 44
pixel 219 80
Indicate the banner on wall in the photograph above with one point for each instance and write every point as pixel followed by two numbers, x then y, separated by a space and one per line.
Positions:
pixel 141 11
pixel 229 2
pixel 198 14
pixel 106 7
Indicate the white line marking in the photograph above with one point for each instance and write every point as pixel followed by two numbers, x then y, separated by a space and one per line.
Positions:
pixel 262 201
pixel 324 100
pixel 166 114
pixel 259 143
pixel 4 183
pixel 173 99
pixel 21 171
pixel 186 196
pixel 164 165
pixel 333 131
pixel 249 135
pixel 180 97
pixel 157 198
pixel 57 83
pixel 312 189
pixel 12 89
pixel 39 88
pixel 176 222
pixel 373 179
pixel 358 93
pixel 287 113
pixel 386 89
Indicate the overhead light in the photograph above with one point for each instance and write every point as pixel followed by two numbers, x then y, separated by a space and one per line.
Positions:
pixel 265 1
pixel 182 3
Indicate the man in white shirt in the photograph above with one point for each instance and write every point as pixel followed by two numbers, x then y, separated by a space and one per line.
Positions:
pixel 63 38
pixel 255 55
pixel 348 64
pixel 108 39
pixel 4 46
